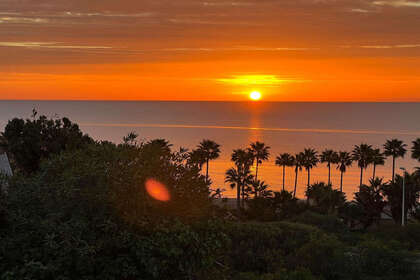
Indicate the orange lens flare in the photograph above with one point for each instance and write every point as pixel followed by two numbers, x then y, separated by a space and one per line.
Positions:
pixel 157 190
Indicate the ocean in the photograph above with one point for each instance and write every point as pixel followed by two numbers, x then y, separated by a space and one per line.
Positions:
pixel 285 127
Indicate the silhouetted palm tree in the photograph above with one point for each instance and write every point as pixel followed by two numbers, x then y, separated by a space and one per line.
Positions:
pixel 310 160
pixel 232 176
pixel 242 158
pixel 394 148
pixel 210 151
pixel 298 163
pixel 285 160
pixel 261 153
pixel 416 149
pixel 377 158
pixel 361 154
pixel 196 158
pixel 344 160
pixel 329 157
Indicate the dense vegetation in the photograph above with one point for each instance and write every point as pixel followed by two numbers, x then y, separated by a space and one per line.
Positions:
pixel 78 209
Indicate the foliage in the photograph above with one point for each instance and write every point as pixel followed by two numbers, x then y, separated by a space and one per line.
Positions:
pixel 31 140
pixel 393 194
pixel 324 199
pixel 371 201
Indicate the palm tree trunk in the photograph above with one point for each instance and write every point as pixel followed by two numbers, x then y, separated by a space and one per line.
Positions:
pixel 374 171
pixel 284 172
pixel 341 182
pixel 207 170
pixel 256 171
pixel 238 196
pixel 393 169
pixel 309 177
pixel 361 176
pixel 296 178
pixel 329 174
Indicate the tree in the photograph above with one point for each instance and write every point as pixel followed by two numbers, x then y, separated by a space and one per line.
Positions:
pixel 240 177
pixel 372 202
pixel 324 199
pixel 329 157
pixel 298 163
pixel 260 189
pixel 361 154
pixel 345 160
pixel 285 160
pixel 396 149
pixel 260 153
pixel 377 158
pixel 210 150
pixel 30 141
pixel 310 160
pixel 416 149
pixel 393 194
pixel 196 158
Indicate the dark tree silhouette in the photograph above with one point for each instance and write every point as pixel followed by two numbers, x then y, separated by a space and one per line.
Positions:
pixel 361 154
pixel 345 160
pixel 396 149
pixel 329 157
pixel 377 158
pixel 298 163
pixel 260 153
pixel 310 160
pixel 210 150
pixel 285 160
pixel 416 149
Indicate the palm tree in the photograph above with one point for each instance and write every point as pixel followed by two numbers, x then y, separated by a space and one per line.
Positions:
pixel 285 160
pixel 242 158
pixel 210 151
pixel 298 163
pixel 232 176
pixel 196 158
pixel 361 154
pixel 394 148
pixel 416 149
pixel 329 157
pixel 241 176
pixel 345 160
pixel 377 158
pixel 261 153
pixel 310 160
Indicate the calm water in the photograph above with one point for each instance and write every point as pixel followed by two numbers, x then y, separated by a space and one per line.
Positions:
pixel 286 127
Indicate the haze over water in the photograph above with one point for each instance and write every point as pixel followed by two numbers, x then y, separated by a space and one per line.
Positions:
pixel 285 127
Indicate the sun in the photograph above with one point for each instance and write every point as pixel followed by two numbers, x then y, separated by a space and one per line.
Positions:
pixel 255 95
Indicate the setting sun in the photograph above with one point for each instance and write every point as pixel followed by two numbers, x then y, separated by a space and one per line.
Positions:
pixel 255 95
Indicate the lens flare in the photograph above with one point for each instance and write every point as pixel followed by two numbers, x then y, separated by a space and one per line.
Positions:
pixel 157 190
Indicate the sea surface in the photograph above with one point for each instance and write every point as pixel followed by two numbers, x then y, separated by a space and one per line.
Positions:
pixel 285 127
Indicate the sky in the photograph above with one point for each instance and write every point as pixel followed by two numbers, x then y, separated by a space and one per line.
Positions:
pixel 289 50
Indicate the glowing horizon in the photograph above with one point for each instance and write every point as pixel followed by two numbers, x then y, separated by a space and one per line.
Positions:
pixel 211 51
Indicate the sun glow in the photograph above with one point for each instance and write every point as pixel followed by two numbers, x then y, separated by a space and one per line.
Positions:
pixel 255 95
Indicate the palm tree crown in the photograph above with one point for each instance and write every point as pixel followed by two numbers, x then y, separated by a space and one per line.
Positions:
pixel 396 149
pixel 329 157
pixel 260 153
pixel 210 151
pixel 285 160
pixel 416 149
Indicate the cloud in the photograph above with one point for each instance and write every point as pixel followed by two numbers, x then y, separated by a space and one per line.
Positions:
pixel 398 3
pixel 247 80
pixel 48 45
pixel 391 46
pixel 24 20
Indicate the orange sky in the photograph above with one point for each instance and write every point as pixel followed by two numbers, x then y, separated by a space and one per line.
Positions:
pixel 300 50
